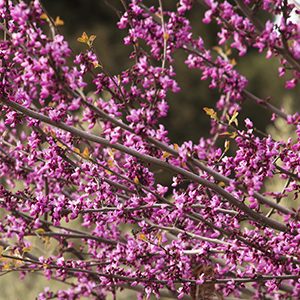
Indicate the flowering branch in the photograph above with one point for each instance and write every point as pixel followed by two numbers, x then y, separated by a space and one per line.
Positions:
pixel 83 152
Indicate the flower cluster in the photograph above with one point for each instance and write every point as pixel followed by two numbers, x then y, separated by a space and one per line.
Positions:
pixel 80 165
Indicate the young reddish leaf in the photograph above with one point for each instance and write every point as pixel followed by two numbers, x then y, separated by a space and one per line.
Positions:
pixel 233 119
pixel 141 236
pixel 76 150
pixel 86 153
pixel 166 155
pixel 210 112
pixel 58 21
pixel 84 38
pixel 227 146
pixel 44 16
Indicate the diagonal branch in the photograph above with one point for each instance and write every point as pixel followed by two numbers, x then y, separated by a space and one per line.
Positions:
pixel 155 161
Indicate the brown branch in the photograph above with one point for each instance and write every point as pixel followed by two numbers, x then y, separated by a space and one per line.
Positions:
pixel 257 278
pixel 155 161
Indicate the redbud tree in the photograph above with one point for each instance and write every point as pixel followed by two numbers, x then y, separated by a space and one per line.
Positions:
pixel 81 150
